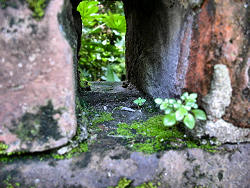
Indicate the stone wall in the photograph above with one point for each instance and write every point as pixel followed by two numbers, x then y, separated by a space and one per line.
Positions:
pixel 37 77
pixel 173 46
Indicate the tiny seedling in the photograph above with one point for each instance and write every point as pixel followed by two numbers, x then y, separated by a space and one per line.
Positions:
pixel 140 101
pixel 182 110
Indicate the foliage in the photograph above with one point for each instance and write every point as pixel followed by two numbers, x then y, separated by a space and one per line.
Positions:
pixel 37 6
pixel 102 42
pixel 184 110
pixel 140 101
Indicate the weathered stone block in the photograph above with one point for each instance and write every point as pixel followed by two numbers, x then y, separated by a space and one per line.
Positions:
pixel 37 91
pixel 173 46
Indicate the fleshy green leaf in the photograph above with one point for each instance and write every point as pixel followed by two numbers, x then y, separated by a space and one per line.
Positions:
pixel 193 96
pixel 163 106
pixel 199 114
pixel 176 105
pixel 184 95
pixel 190 103
pixel 180 113
pixel 189 121
pixel 169 120
pixel 172 101
pixel 187 107
pixel 168 110
pixel 195 106
pixel 158 100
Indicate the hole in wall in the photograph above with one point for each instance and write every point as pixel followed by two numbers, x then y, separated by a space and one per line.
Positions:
pixel 102 51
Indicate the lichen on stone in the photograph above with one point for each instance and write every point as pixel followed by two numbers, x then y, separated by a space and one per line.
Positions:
pixel 219 97
pixel 41 125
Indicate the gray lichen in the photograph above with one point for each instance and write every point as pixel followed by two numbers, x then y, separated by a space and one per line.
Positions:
pixel 220 93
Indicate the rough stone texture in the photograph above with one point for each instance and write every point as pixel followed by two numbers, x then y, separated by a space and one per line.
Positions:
pixel 221 36
pixel 215 103
pixel 219 96
pixel 37 109
pixel 173 46
pixel 154 32
pixel 101 168
pixel 223 131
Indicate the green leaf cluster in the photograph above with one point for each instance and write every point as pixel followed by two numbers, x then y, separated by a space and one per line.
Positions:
pixel 140 101
pixel 182 110
pixel 102 43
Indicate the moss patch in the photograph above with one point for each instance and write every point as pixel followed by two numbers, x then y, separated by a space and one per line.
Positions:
pixel 152 136
pixel 101 118
pixel 3 148
pixel 81 148
pixel 126 183
pixel 38 7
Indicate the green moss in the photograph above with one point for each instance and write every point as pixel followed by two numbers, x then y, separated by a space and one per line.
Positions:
pixel 152 136
pixel 9 183
pixel 123 183
pixel 3 148
pixel 38 7
pixel 126 183
pixel 101 118
pixel 82 147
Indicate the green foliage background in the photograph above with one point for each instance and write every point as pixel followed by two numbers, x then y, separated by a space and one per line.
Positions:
pixel 102 43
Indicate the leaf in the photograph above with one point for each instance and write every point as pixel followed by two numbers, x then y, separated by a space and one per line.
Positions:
pixel 158 100
pixel 180 113
pixel 193 96
pixel 169 120
pixel 111 76
pixel 116 21
pixel 189 121
pixel 187 107
pixel 163 106
pixel 199 114
pixel 184 96
pixel 176 105
pixel 190 103
pixel 87 10
pixel 168 110
pixel 172 101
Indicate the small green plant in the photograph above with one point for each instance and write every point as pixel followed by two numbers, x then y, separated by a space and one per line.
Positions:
pixel 140 101
pixel 183 110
